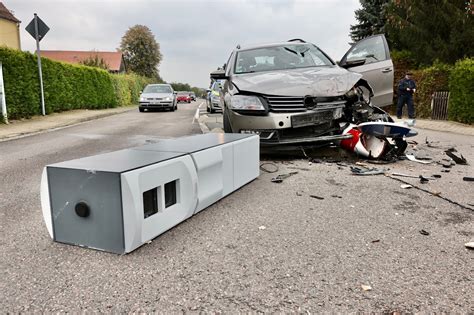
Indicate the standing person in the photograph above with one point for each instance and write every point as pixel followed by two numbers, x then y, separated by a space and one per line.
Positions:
pixel 406 88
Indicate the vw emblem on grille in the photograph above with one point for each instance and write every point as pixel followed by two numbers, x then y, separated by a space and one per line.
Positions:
pixel 310 102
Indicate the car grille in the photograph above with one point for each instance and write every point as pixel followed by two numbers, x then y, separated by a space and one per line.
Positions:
pixel 153 99
pixel 297 103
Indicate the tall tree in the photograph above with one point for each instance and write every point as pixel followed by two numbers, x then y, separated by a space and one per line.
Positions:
pixel 432 29
pixel 141 51
pixel 371 18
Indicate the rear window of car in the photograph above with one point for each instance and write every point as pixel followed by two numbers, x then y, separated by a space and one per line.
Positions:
pixel 280 58
pixel 183 93
pixel 157 89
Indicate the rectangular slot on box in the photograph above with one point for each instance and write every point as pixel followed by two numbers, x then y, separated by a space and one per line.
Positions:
pixel 170 194
pixel 150 202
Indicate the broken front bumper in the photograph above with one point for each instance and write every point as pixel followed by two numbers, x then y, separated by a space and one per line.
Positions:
pixel 317 125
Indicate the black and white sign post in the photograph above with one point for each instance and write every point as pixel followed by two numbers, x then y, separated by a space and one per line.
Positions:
pixel 37 28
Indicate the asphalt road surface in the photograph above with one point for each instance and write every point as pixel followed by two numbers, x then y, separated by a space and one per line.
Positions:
pixel 267 247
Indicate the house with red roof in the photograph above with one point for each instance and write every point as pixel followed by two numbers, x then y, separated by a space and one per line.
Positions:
pixel 113 59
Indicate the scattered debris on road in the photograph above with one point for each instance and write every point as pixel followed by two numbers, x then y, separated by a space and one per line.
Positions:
pixel 365 171
pixel 411 157
pixel 469 245
pixel 459 160
pixel 269 167
pixel 423 232
pixel 262 227
pixel 468 179
pixel 366 287
pixel 281 177
pixel 406 186
pixel 316 197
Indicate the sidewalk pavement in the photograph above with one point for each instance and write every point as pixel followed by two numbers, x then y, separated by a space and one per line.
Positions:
pixel 209 123
pixel 39 124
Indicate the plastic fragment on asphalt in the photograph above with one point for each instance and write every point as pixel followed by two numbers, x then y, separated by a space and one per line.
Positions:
pixel 366 287
pixel 468 179
pixel 406 186
pixel 469 245
pixel 423 179
pixel 412 158
pixel 262 227
pixel 316 197
pixel 423 232
pixel 281 177
pixel 459 160
pixel 365 171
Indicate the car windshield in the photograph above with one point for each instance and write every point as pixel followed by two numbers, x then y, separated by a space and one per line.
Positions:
pixel 157 89
pixel 280 58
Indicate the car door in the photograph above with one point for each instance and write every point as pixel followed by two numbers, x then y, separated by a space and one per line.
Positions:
pixel 371 58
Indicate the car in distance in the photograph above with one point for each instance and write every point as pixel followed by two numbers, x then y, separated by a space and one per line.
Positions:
pixel 183 97
pixel 157 96
pixel 292 93
pixel 192 95
pixel 213 100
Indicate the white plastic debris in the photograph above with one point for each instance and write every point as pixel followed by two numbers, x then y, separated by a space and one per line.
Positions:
pixel 406 186
pixel 262 227
pixel 469 245
pixel 366 287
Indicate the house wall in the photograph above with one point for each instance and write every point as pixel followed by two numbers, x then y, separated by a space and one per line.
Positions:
pixel 9 34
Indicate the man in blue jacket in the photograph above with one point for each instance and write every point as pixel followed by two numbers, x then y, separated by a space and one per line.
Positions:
pixel 406 88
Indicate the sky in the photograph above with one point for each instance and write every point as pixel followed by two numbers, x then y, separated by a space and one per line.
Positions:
pixel 195 36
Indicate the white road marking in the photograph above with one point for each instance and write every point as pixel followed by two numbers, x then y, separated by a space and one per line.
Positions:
pixel 196 116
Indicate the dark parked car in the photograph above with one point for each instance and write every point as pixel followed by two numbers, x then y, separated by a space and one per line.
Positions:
pixel 293 93
pixel 158 96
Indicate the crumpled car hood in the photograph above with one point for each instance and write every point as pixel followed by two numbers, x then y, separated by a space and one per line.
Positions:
pixel 314 81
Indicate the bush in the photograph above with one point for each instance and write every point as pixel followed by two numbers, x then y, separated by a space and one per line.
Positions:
pixel 66 86
pixel 429 80
pixel 461 85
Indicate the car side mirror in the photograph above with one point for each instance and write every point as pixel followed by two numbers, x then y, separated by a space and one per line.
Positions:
pixel 352 63
pixel 218 75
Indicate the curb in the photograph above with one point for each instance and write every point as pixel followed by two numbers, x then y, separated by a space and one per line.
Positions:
pixel 61 126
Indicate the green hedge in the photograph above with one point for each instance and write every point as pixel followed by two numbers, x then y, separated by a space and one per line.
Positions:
pixel 461 85
pixel 66 86
pixel 429 80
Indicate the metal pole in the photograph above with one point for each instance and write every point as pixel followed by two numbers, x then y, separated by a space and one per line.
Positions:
pixel 38 55
pixel 2 96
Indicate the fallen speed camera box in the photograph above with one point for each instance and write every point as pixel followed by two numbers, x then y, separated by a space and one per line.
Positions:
pixel 118 201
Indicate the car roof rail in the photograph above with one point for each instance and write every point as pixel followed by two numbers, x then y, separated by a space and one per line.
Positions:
pixel 297 40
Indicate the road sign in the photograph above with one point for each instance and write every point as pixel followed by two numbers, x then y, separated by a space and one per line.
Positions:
pixel 42 28
pixel 37 28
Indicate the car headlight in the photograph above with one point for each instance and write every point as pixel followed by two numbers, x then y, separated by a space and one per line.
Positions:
pixel 246 102
pixel 168 98
pixel 142 99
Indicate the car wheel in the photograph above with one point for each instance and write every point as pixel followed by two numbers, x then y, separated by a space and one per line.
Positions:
pixel 227 128
pixel 207 109
pixel 172 109
pixel 212 110
pixel 141 109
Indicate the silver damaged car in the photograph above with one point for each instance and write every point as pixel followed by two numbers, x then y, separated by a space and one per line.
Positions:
pixel 292 93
